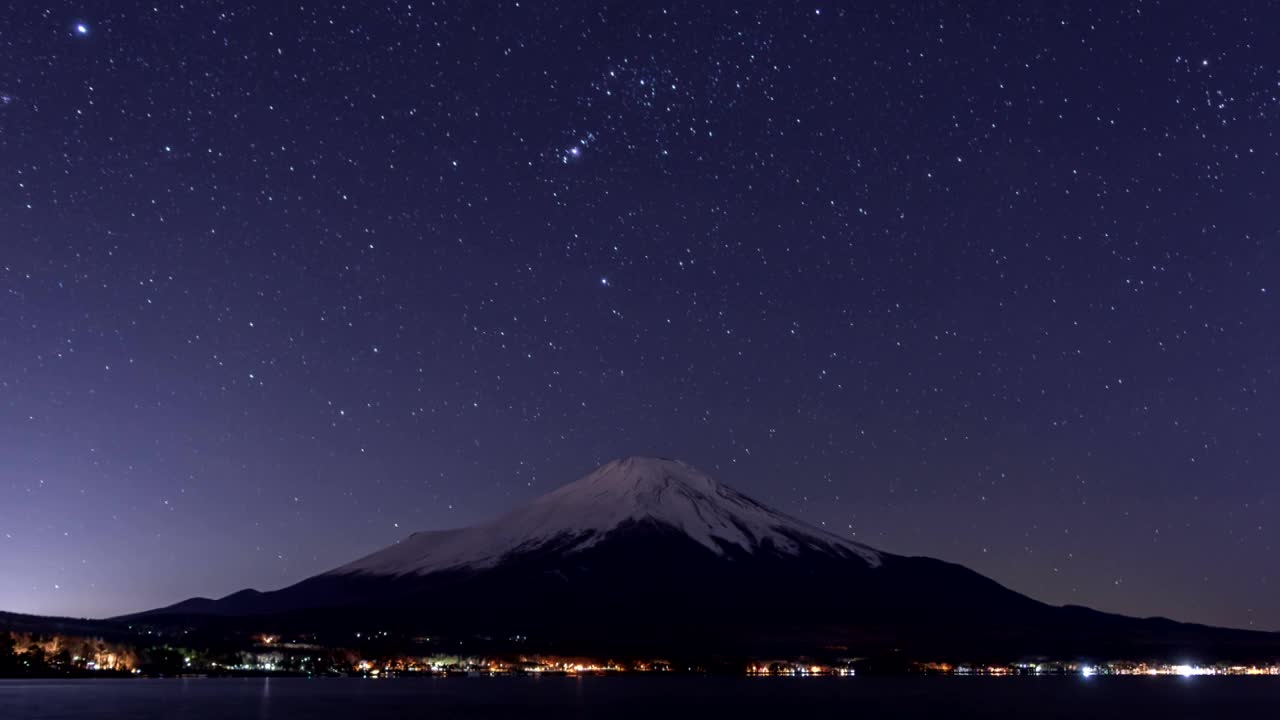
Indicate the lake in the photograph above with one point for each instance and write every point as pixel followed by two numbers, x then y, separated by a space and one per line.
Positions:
pixel 666 698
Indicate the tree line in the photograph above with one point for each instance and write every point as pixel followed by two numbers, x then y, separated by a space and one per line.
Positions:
pixel 46 655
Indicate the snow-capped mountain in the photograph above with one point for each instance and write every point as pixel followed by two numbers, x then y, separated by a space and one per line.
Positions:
pixel 652 555
pixel 581 514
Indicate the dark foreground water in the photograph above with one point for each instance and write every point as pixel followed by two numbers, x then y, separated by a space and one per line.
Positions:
pixel 660 698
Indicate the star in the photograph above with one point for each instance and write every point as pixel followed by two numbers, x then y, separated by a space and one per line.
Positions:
pixel 81 29
pixel 577 150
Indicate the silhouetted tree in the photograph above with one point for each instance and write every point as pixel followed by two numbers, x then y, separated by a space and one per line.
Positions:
pixel 35 656
pixel 7 657
pixel 61 659
pixel 163 661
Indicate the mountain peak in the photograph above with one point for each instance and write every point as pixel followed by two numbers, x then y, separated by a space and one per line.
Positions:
pixel 635 478
pixel 620 493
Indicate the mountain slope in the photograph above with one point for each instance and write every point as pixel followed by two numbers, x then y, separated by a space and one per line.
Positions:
pixel 583 513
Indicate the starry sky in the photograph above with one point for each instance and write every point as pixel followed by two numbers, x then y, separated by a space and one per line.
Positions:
pixel 281 283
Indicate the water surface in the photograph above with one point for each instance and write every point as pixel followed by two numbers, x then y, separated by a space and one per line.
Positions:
pixel 663 698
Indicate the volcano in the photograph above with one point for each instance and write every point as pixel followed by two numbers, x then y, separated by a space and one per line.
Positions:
pixel 653 555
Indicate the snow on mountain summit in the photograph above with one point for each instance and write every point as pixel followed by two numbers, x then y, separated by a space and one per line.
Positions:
pixel 583 513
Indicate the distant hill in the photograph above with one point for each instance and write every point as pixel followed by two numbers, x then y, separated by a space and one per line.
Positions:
pixel 17 622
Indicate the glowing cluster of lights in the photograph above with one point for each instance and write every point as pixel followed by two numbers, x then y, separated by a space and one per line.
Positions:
pixel 1179 670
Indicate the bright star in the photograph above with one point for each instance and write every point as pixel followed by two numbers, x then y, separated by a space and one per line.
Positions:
pixel 81 29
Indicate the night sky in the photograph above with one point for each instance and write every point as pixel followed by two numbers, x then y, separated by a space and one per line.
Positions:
pixel 281 283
